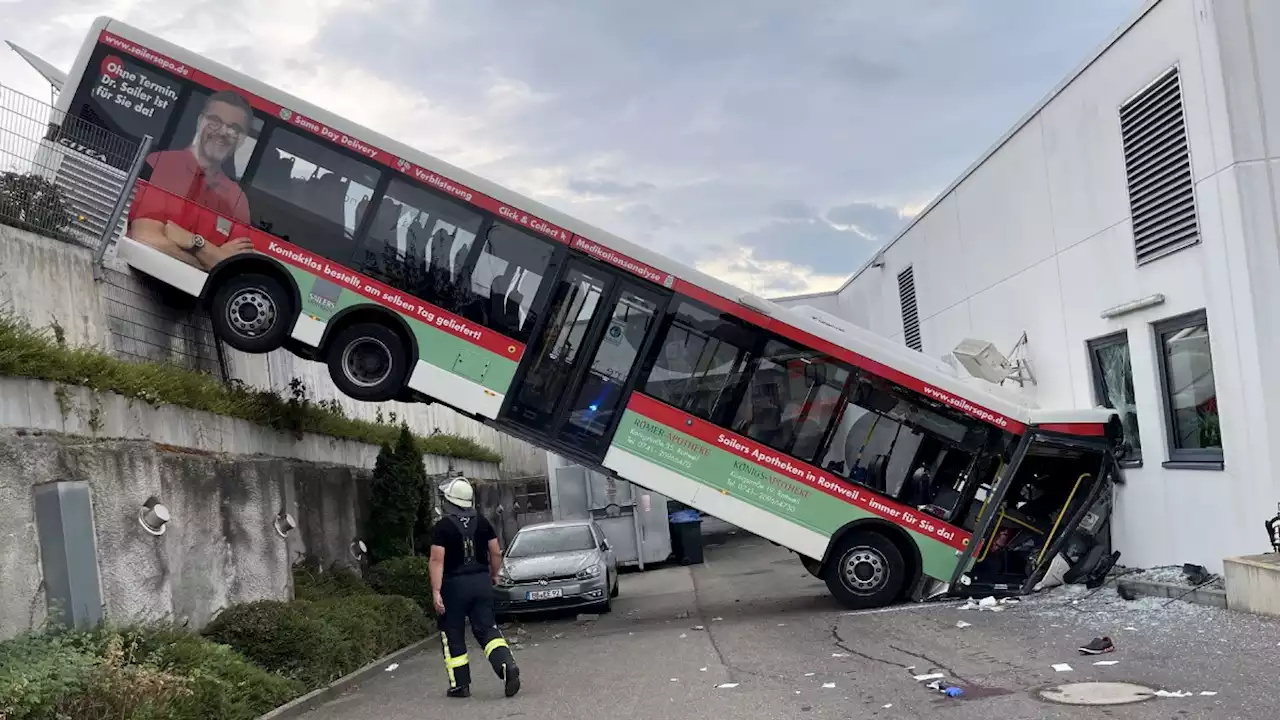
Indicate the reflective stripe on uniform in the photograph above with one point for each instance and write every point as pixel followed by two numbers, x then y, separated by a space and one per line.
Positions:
pixel 450 662
pixel 494 644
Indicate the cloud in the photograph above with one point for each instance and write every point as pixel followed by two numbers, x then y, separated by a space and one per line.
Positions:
pixel 716 134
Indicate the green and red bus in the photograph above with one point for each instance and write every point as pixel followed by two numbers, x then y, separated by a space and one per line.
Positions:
pixel 888 474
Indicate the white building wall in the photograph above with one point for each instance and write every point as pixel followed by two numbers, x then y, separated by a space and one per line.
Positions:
pixel 1037 238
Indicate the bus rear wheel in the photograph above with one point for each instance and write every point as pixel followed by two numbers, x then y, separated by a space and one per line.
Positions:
pixel 252 313
pixel 368 362
pixel 866 571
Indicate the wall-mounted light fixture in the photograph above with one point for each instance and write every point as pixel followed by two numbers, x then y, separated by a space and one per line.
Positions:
pixel 358 549
pixel 1132 306
pixel 284 523
pixel 153 516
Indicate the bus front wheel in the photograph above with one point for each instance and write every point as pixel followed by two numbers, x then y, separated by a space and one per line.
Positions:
pixel 368 362
pixel 867 571
pixel 252 313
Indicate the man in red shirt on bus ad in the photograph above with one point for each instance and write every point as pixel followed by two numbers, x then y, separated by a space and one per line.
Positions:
pixel 198 232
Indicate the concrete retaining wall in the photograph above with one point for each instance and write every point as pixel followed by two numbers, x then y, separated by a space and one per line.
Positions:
pixel 224 481
pixel 47 281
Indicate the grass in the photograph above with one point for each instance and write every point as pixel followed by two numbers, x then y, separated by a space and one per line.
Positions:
pixel 42 354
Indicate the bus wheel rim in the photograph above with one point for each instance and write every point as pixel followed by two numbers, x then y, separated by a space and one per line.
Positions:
pixel 367 362
pixel 251 312
pixel 865 570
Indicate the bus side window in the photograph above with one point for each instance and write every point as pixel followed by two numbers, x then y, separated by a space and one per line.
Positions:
pixel 793 397
pixel 505 280
pixel 700 362
pixel 310 194
pixel 414 242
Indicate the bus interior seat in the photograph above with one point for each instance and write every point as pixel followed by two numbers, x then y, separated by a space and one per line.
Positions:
pixel 876 475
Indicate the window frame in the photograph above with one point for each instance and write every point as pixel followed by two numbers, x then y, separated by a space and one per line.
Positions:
pixel 1182 458
pixel 1133 457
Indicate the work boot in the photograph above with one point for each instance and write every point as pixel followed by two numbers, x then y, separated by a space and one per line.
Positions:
pixel 460 692
pixel 510 679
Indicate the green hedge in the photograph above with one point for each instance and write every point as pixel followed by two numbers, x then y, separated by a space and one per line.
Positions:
pixel 407 576
pixel 251 659
pixel 43 354
pixel 319 642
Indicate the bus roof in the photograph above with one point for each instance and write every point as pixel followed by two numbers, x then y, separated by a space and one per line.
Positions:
pixel 857 346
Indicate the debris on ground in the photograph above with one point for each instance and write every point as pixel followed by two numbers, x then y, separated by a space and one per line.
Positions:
pixel 828 685
pixel 717 619
pixel 1062 667
pixel 953 691
pixel 809 674
pixel 557 636
pixel 839 655
pixel 1174 694
pixel 727 686
pixel 587 617
pixel 683 635
pixel 987 604
pixel 1107 663
pixel 393 667
pixel 929 676
pixel 697 627
pixel 682 615
pixel 962 624
pixel 702 669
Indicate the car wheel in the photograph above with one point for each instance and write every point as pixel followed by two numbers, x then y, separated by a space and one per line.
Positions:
pixel 617 587
pixel 368 362
pixel 866 571
pixel 252 313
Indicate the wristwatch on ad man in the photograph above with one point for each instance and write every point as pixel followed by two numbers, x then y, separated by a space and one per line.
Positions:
pixel 197 241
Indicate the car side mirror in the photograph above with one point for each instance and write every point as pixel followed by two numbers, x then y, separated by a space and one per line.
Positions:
pixel 604 545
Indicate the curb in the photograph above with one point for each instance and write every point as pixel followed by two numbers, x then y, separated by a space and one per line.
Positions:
pixel 305 704
pixel 1204 596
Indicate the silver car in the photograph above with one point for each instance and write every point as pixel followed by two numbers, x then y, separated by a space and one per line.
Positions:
pixel 557 565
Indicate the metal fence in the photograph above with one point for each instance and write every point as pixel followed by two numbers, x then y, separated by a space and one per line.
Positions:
pixel 62 176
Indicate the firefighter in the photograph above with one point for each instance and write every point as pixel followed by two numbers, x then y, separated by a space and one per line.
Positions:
pixel 465 561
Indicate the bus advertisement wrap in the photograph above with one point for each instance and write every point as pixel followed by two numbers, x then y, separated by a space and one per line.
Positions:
pixel 795 491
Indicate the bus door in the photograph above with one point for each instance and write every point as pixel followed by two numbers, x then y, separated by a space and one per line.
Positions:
pixel 570 390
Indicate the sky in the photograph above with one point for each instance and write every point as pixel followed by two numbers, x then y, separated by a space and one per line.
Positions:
pixel 774 145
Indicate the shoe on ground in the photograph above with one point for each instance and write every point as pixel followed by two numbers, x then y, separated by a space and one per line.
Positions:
pixel 460 692
pixel 1098 646
pixel 511 679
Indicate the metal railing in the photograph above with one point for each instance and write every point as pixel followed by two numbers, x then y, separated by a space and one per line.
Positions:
pixel 63 176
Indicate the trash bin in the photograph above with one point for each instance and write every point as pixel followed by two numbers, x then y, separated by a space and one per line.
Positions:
pixel 686 536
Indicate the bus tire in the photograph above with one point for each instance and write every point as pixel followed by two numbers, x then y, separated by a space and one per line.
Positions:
pixel 368 361
pixel 252 312
pixel 867 571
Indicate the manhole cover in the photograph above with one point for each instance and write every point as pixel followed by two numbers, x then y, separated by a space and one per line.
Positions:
pixel 1097 693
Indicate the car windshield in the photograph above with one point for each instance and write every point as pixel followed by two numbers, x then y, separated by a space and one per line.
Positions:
pixel 546 541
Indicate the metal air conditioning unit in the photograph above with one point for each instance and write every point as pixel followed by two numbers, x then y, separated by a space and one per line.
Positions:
pixel 982 360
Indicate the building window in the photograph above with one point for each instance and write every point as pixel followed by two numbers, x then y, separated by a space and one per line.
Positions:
pixel 1190 394
pixel 1157 159
pixel 910 314
pixel 1113 387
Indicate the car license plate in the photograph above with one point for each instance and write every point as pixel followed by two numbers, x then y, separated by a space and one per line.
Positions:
pixel 544 594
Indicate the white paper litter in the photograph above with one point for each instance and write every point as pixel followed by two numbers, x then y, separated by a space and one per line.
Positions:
pixel 1009 601
pixel 716 619
pixel 702 669
pixel 839 655
pixel 1177 694
pixel 727 686
pixel 1134 629
pixel 683 635
pixel 962 625
pixel 808 674
pixel 1062 667
pixel 988 602
pixel 698 627
pixel 930 676
pixel 392 667
pixel 675 679
pixel 782 624
pixel 828 685
pixel 886 707
pixel 1209 693
pixel 970 605
pixel 935 685
pixel 1105 663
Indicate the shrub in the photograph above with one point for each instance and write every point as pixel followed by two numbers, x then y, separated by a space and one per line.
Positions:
pixel 406 576
pixel 312 582
pixel 37 672
pixel 396 499
pixel 318 642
